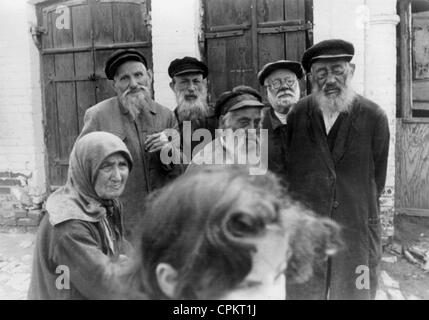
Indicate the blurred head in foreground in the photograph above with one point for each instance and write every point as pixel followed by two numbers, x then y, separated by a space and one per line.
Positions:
pixel 220 233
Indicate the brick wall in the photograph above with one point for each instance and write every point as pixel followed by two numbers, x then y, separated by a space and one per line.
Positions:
pixel 22 172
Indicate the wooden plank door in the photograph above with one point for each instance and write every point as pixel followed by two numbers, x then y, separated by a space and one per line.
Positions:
pixel 118 25
pixel 78 37
pixel 241 36
pixel 412 143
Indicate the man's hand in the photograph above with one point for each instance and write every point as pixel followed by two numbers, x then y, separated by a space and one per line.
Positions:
pixel 155 142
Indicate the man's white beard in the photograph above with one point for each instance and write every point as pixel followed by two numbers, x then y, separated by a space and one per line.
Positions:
pixel 280 105
pixel 332 104
pixel 133 102
pixel 191 110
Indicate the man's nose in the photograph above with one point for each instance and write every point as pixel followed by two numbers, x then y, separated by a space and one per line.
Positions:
pixel 133 83
pixel 331 79
pixel 191 87
pixel 251 125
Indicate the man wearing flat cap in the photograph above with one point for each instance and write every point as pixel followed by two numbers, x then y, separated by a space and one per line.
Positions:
pixel 280 78
pixel 338 144
pixel 237 142
pixel 189 84
pixel 142 124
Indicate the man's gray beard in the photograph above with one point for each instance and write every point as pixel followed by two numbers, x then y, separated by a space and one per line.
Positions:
pixel 133 102
pixel 191 110
pixel 340 103
pixel 274 102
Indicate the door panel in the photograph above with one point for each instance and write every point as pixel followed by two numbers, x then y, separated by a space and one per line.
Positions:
pixel 242 36
pixel 412 174
pixel 412 138
pixel 73 64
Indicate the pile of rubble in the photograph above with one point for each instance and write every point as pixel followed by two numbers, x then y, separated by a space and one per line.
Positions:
pixel 417 254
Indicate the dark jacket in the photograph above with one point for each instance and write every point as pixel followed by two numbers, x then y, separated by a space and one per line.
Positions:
pixel 344 185
pixel 190 147
pixel 276 142
pixel 148 171
pixel 80 248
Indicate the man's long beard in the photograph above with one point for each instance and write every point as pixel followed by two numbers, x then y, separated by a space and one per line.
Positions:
pixel 330 104
pixel 134 101
pixel 191 110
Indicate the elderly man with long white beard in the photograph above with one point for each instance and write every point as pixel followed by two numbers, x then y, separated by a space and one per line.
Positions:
pixel 143 124
pixel 338 143
pixel 189 84
pixel 239 139
pixel 281 80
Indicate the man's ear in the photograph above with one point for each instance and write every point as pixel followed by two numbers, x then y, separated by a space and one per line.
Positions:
pixel 352 68
pixel 150 74
pixel 172 85
pixel 113 85
pixel 166 276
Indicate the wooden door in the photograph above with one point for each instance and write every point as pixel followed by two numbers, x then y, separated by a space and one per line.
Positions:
pixel 77 38
pixel 242 35
pixel 412 143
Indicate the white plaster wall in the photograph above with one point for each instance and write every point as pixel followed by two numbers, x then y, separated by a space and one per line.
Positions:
pixel 175 29
pixel 21 135
pixel 380 75
pixel 342 19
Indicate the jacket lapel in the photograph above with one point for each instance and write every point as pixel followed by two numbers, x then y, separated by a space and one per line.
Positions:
pixel 318 136
pixel 346 133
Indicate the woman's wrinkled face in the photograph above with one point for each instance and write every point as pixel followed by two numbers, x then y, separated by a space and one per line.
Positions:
pixel 267 278
pixel 111 177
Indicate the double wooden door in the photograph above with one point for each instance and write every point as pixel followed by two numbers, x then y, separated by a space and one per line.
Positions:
pixel 241 36
pixel 76 37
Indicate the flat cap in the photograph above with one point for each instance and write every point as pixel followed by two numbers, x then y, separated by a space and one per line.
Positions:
pixel 239 98
pixel 187 65
pixel 328 49
pixel 267 69
pixel 119 57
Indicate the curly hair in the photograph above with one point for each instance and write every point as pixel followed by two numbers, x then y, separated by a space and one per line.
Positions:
pixel 195 224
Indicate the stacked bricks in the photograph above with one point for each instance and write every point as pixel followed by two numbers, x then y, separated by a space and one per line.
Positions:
pixel 12 211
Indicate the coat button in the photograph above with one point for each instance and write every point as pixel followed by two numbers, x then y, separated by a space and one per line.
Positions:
pixel 336 204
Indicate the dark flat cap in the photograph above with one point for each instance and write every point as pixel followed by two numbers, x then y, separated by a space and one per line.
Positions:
pixel 239 98
pixel 187 65
pixel 119 57
pixel 328 49
pixel 293 66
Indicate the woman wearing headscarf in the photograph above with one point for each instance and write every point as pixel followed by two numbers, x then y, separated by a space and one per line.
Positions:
pixel 80 247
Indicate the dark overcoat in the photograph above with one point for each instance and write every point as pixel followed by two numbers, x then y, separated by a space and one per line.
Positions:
pixel 149 172
pixel 344 184
pixel 189 146
pixel 276 142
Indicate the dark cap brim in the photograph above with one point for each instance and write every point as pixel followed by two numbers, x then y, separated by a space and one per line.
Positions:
pixel 327 49
pixel 189 71
pixel 293 66
pixel 246 104
pixel 119 58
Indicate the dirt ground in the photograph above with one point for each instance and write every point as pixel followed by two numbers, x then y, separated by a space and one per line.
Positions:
pixel 398 280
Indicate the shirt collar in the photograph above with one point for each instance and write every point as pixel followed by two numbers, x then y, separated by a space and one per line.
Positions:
pixel 275 122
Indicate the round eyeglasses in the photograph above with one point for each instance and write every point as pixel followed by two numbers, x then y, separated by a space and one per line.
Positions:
pixel 278 83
